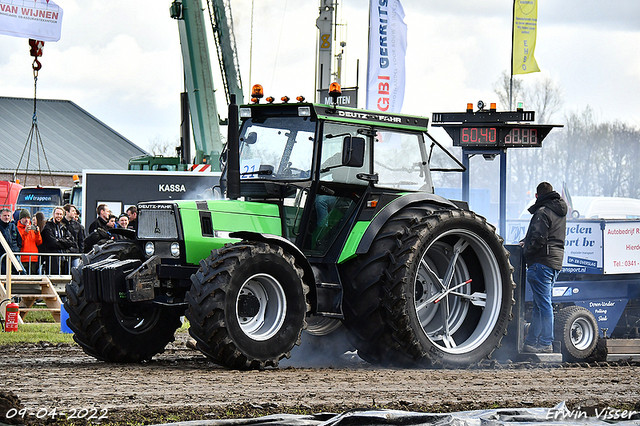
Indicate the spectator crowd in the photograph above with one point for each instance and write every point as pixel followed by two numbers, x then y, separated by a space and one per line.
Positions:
pixel 40 239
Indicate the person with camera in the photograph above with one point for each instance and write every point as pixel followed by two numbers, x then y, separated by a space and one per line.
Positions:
pixel 56 238
pixel 31 239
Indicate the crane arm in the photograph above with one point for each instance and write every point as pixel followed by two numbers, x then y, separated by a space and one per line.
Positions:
pixel 222 24
pixel 199 80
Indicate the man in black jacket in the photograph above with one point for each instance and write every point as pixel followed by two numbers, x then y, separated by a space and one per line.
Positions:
pixel 101 221
pixel 56 238
pixel 544 252
pixel 11 234
pixel 76 229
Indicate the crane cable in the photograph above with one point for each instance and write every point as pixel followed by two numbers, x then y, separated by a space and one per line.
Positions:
pixel 34 133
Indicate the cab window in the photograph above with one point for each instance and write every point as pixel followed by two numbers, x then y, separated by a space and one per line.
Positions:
pixel 398 160
pixel 330 168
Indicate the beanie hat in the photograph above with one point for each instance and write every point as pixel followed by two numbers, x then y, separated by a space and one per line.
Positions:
pixel 24 213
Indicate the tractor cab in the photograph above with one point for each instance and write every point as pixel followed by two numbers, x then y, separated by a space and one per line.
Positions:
pixel 327 165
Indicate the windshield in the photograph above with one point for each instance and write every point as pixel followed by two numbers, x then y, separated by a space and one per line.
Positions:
pixel 277 148
pixel 40 196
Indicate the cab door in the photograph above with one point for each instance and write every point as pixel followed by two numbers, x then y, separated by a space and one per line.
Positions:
pixel 339 190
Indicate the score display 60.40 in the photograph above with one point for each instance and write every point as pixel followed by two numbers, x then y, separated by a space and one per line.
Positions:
pixel 492 130
pixel 491 136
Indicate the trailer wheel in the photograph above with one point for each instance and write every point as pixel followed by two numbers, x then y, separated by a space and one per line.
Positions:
pixel 577 329
pixel 115 332
pixel 434 289
pixel 247 305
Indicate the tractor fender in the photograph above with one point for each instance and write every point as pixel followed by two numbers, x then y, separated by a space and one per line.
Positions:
pixel 395 206
pixel 289 247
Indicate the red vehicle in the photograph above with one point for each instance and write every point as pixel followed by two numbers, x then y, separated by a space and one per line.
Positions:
pixel 9 194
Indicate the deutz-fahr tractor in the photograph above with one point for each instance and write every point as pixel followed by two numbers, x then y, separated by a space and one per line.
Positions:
pixel 329 219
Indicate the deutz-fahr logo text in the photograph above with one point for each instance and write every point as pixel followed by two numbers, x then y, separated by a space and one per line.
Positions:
pixel 155 206
pixel 368 116
pixel 170 187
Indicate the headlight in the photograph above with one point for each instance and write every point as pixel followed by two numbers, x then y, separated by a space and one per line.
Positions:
pixel 149 249
pixel 304 111
pixel 175 249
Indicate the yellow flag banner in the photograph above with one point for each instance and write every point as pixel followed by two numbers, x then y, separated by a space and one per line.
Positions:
pixel 525 22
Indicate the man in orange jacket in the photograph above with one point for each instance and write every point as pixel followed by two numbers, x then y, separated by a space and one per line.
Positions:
pixel 31 239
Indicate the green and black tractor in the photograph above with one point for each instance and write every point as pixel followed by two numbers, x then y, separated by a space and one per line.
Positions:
pixel 329 219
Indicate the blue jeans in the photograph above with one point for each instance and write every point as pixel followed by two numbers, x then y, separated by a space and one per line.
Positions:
pixel 540 279
pixel 324 203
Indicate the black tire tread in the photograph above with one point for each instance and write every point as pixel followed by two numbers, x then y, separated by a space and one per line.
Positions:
pixel 206 300
pixel 562 323
pixel 374 307
pixel 88 322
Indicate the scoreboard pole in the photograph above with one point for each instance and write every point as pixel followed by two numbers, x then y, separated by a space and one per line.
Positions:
pixel 466 154
pixel 503 193
pixel 465 175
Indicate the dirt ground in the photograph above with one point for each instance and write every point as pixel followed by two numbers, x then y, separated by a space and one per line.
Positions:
pixel 181 384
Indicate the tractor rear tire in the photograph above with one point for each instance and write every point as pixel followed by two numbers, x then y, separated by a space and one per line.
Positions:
pixel 577 329
pixel 118 332
pixel 247 305
pixel 435 289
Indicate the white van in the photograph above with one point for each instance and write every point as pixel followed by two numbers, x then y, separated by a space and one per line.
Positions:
pixel 605 208
pixel 598 208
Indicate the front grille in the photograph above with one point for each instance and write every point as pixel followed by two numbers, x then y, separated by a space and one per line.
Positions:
pixel 157 224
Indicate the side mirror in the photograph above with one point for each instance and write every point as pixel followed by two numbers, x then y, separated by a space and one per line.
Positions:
pixel 353 151
pixel 251 138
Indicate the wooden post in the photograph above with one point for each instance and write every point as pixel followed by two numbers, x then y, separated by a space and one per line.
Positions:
pixel 11 259
pixel 8 272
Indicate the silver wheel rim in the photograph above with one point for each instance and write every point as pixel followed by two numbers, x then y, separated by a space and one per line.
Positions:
pixel 271 311
pixel 322 326
pixel 136 320
pixel 582 334
pixel 443 295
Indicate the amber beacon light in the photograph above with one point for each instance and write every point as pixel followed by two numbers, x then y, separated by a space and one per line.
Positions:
pixel 256 93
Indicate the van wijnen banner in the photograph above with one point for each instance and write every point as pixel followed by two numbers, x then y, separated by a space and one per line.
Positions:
pixel 36 19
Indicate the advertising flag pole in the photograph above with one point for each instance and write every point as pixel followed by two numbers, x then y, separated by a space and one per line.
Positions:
pixel 513 17
pixel 366 98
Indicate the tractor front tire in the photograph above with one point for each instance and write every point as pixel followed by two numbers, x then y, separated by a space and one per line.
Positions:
pixel 117 332
pixel 247 305
pixel 435 289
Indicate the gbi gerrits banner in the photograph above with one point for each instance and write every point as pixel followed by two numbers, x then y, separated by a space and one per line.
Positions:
pixel 387 50
pixel 36 19
pixel 525 23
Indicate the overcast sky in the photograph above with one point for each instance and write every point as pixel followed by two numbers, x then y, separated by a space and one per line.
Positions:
pixel 120 60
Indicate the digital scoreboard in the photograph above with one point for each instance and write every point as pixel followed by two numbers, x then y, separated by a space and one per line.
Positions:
pixel 491 129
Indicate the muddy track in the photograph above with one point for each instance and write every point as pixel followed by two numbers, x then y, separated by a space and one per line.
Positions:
pixel 181 384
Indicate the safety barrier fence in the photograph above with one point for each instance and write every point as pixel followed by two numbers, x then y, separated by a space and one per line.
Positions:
pixel 44 264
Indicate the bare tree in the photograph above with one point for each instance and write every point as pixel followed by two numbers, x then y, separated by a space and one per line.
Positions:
pixel 159 146
pixel 502 87
pixel 545 98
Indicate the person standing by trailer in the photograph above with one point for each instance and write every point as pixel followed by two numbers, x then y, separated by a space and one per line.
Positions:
pixel 543 249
